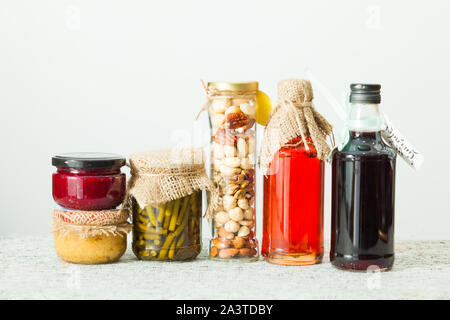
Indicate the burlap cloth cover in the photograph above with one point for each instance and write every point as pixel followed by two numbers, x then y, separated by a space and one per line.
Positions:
pixel 160 176
pixel 294 116
pixel 90 223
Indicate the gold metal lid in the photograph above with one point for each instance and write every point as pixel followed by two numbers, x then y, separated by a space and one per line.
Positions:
pixel 233 86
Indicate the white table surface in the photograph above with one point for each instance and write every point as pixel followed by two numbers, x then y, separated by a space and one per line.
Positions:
pixel 30 269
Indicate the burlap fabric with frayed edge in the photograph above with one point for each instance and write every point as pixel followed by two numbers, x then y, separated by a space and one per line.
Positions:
pixel 160 176
pixel 90 223
pixel 294 116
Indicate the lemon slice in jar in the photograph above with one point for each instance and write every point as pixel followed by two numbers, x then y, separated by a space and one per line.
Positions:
pixel 263 108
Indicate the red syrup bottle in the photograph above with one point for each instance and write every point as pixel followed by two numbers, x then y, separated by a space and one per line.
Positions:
pixel 293 206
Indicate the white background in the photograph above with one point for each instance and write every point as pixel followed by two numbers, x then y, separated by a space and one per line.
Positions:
pixel 123 76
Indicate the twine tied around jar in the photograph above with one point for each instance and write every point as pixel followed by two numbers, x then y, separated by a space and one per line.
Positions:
pixel 294 116
pixel 90 223
pixel 160 176
pixel 212 93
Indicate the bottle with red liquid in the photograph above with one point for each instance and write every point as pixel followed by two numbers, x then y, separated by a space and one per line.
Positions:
pixel 294 178
pixel 293 206
pixel 363 189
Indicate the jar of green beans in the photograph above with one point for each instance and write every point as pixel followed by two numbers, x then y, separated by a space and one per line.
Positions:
pixel 170 231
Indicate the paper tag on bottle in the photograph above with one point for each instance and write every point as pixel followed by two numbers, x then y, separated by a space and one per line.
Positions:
pixel 390 134
pixel 402 146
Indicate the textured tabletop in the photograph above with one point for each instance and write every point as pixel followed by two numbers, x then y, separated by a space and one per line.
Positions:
pixel 30 269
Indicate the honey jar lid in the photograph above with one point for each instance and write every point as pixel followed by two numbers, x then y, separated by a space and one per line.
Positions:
pixel 233 86
pixel 88 160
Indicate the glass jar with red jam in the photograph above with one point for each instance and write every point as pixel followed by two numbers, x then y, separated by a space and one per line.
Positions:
pixel 88 181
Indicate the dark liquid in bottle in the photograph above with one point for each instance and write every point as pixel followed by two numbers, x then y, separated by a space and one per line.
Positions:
pixel 363 189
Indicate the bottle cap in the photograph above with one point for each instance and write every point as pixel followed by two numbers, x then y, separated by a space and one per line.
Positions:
pixel 365 93
pixel 88 160
pixel 233 86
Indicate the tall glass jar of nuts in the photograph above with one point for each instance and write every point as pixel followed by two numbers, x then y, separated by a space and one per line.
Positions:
pixel 232 109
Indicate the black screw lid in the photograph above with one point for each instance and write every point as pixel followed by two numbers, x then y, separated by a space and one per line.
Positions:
pixel 88 160
pixel 365 93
